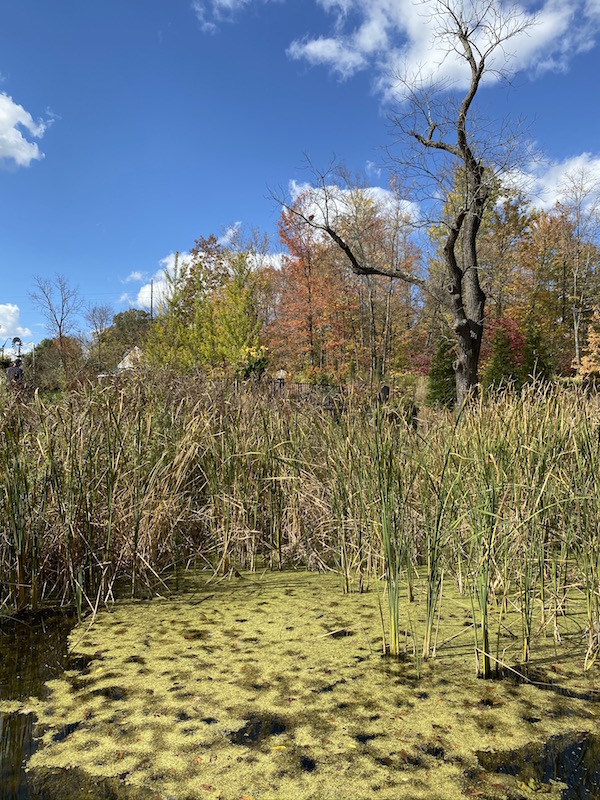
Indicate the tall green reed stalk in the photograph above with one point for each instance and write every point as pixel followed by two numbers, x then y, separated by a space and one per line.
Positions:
pixel 394 475
pixel 439 511
pixel 16 511
pixel 586 519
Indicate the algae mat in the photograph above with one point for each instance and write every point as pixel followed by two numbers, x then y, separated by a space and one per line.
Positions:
pixel 274 686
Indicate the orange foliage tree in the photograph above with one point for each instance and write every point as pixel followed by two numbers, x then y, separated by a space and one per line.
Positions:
pixel 330 323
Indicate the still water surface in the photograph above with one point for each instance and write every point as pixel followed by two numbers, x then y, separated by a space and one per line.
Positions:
pixel 32 651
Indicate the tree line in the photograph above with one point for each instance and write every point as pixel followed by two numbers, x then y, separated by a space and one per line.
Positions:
pixel 451 270
pixel 228 309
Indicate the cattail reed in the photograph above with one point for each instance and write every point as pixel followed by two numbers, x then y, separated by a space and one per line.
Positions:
pixel 121 487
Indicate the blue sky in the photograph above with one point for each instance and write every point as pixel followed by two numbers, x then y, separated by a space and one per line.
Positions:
pixel 130 128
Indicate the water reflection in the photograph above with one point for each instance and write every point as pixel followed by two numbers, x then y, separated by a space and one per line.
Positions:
pixel 16 745
pixel 32 651
pixel 571 758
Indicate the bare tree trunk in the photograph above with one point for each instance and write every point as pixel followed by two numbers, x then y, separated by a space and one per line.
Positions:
pixel 387 330
pixel 467 299
pixel 576 329
pixel 372 332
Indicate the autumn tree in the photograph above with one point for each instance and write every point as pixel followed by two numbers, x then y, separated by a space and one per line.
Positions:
pixel 539 300
pixel 377 226
pixel 208 317
pixel 556 277
pixel 590 362
pixel 309 329
pixel 324 229
pixel 579 212
pixel 44 365
pixel 505 229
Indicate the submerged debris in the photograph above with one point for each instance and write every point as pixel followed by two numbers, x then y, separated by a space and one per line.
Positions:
pixel 257 729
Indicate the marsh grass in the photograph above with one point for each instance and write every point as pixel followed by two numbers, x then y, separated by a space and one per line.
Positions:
pixel 120 488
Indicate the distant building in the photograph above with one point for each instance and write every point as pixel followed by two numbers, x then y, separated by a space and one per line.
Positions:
pixel 131 359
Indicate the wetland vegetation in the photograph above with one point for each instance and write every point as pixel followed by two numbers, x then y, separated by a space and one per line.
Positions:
pixel 280 597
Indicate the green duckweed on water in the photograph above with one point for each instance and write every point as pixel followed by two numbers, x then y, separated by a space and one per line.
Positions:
pixel 274 686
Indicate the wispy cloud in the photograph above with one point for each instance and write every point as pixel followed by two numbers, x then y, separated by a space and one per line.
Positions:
pixel 15 148
pixel 230 234
pixel 392 37
pixel 134 277
pixel 403 37
pixel 371 168
pixel 211 13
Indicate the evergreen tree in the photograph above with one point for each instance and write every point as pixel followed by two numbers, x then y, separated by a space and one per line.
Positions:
pixel 502 369
pixel 441 389
pixel 537 364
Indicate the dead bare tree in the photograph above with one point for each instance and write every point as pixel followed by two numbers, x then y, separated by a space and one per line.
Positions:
pixel 59 303
pixel 99 316
pixel 449 141
pixel 441 148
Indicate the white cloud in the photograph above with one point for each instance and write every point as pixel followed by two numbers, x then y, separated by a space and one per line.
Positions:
pixel 10 325
pixel 562 30
pixel 272 260
pixel 403 37
pixel 230 235
pixel 546 183
pixel 202 12
pixel 331 52
pixel 593 7
pixel 335 201
pixel 13 144
pixel 371 168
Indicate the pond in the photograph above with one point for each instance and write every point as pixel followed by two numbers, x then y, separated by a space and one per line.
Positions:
pixel 274 686
pixel 32 651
